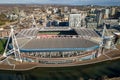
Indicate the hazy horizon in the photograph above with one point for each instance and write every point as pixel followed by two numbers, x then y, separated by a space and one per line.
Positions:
pixel 66 2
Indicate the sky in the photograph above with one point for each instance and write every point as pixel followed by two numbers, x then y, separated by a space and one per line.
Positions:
pixel 69 2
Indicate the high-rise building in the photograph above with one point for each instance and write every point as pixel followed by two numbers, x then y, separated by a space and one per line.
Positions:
pixel 112 11
pixel 99 18
pixel 106 13
pixel 77 20
pixel 119 21
pixel 65 9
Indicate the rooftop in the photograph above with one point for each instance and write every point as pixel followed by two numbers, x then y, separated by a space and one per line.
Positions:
pixel 59 44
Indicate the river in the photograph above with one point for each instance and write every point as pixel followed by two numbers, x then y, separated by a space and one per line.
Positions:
pixel 94 71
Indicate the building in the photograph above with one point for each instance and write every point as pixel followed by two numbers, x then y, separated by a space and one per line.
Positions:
pixel 106 13
pixel 99 18
pixel 92 25
pixel 113 11
pixel 74 11
pixel 65 9
pixel 77 20
pixel 57 47
pixel 110 22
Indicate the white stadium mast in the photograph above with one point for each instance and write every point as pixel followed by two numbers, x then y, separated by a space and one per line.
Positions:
pixel 15 48
pixel 106 41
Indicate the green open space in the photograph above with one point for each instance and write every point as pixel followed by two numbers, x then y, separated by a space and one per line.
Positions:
pixel 48 32
pixel 2 45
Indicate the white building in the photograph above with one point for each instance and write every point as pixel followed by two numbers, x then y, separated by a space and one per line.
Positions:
pixel 65 9
pixel 74 11
pixel 106 13
pixel 77 20
pixel 112 11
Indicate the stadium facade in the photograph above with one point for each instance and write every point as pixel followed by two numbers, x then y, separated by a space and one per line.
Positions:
pixel 58 48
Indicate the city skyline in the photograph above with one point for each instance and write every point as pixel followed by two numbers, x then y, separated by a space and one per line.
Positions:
pixel 68 2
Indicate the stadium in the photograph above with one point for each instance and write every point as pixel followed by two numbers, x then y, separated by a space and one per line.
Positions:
pixel 57 45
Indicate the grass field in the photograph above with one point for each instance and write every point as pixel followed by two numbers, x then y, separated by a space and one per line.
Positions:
pixel 72 32
pixel 2 45
pixel 48 32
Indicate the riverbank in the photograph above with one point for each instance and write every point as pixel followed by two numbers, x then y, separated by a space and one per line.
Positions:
pixel 92 71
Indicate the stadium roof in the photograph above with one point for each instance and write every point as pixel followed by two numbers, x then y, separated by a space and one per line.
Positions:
pixel 58 44
pixel 87 32
pixel 32 32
